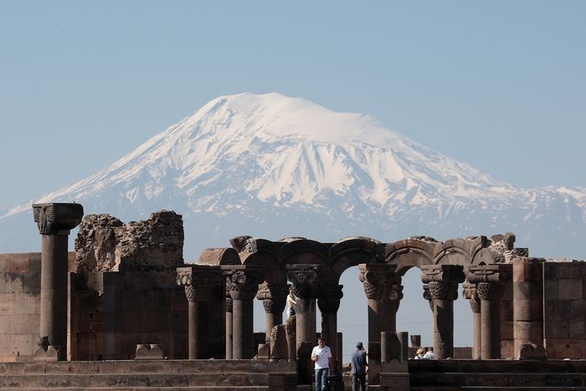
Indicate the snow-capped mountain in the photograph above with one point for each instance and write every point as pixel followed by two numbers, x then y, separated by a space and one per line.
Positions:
pixel 273 166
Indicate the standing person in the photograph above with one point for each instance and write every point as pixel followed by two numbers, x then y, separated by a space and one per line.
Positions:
pixel 359 365
pixel 291 301
pixel 419 355
pixel 321 355
pixel 429 355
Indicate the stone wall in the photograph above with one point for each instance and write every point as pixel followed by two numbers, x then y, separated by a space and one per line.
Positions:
pixel 20 304
pixel 114 312
pixel 565 309
pixel 104 243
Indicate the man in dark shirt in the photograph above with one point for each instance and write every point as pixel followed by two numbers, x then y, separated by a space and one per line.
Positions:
pixel 359 365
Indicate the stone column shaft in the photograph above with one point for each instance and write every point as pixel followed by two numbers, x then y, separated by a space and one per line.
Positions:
pixel 489 280
pixel 243 289
pixel 469 293
pixel 329 304
pixel 229 330
pixel 274 299
pixel 55 220
pixel 379 281
pixel 199 283
pixel 54 291
pixel 528 303
pixel 305 282
pixel 243 332
pixel 443 283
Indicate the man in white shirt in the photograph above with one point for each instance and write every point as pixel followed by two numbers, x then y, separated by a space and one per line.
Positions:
pixel 429 355
pixel 321 355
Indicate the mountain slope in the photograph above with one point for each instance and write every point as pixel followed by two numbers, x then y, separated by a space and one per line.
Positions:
pixel 274 166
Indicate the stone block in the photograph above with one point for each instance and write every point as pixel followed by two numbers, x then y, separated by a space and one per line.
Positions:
pixel 178 301
pixel 507 330
pixel 507 349
pixel 571 270
pixel 179 322
pixel 570 288
pixel 551 289
pixel 531 331
pixel 23 324
pixel 138 281
pixel 165 281
pixel 14 283
pixel 559 329
pixel 19 264
pixel 579 309
pixel 528 310
pixel 18 344
pixel 395 381
pixel 577 329
pixel 564 348
pixel 160 300
pixel 113 344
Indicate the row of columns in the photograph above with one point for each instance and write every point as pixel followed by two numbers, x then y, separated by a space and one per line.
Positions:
pixel 381 284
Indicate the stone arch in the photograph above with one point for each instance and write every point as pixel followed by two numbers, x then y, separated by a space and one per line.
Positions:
pixel 353 251
pixel 412 252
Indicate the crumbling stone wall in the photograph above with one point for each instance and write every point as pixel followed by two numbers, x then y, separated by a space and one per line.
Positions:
pixel 106 244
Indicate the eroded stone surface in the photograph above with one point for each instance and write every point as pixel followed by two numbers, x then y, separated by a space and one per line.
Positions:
pixel 104 243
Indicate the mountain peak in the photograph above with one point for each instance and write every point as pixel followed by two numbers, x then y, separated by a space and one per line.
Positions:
pixel 276 115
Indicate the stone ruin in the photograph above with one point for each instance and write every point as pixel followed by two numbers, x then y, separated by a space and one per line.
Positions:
pixel 129 295
pixel 106 244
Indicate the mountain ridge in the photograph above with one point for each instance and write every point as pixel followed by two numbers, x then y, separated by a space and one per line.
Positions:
pixel 253 155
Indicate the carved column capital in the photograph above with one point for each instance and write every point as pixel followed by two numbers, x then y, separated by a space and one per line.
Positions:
pixel 469 293
pixel 199 281
pixel 378 280
pixel 243 284
pixel 489 290
pixel 443 280
pixel 305 279
pixel 498 273
pixel 273 297
pixel 329 298
pixel 57 218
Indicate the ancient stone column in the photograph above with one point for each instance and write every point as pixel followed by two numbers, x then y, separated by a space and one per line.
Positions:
pixel 273 300
pixel 329 304
pixel 243 288
pixel 527 304
pixel 199 282
pixel 55 220
pixel 377 280
pixel 305 282
pixel 469 292
pixel 489 280
pixel 443 283
pixel 229 323
pixel 306 288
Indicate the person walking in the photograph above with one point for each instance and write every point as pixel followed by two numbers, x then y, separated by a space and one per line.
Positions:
pixel 321 355
pixel 359 365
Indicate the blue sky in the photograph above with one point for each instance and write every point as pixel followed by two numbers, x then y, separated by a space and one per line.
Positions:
pixel 500 85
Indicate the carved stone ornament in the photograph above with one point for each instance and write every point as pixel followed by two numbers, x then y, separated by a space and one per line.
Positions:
pixel 305 279
pixel 469 293
pixel 489 290
pixel 57 218
pixel 273 297
pixel 244 284
pixel 329 298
